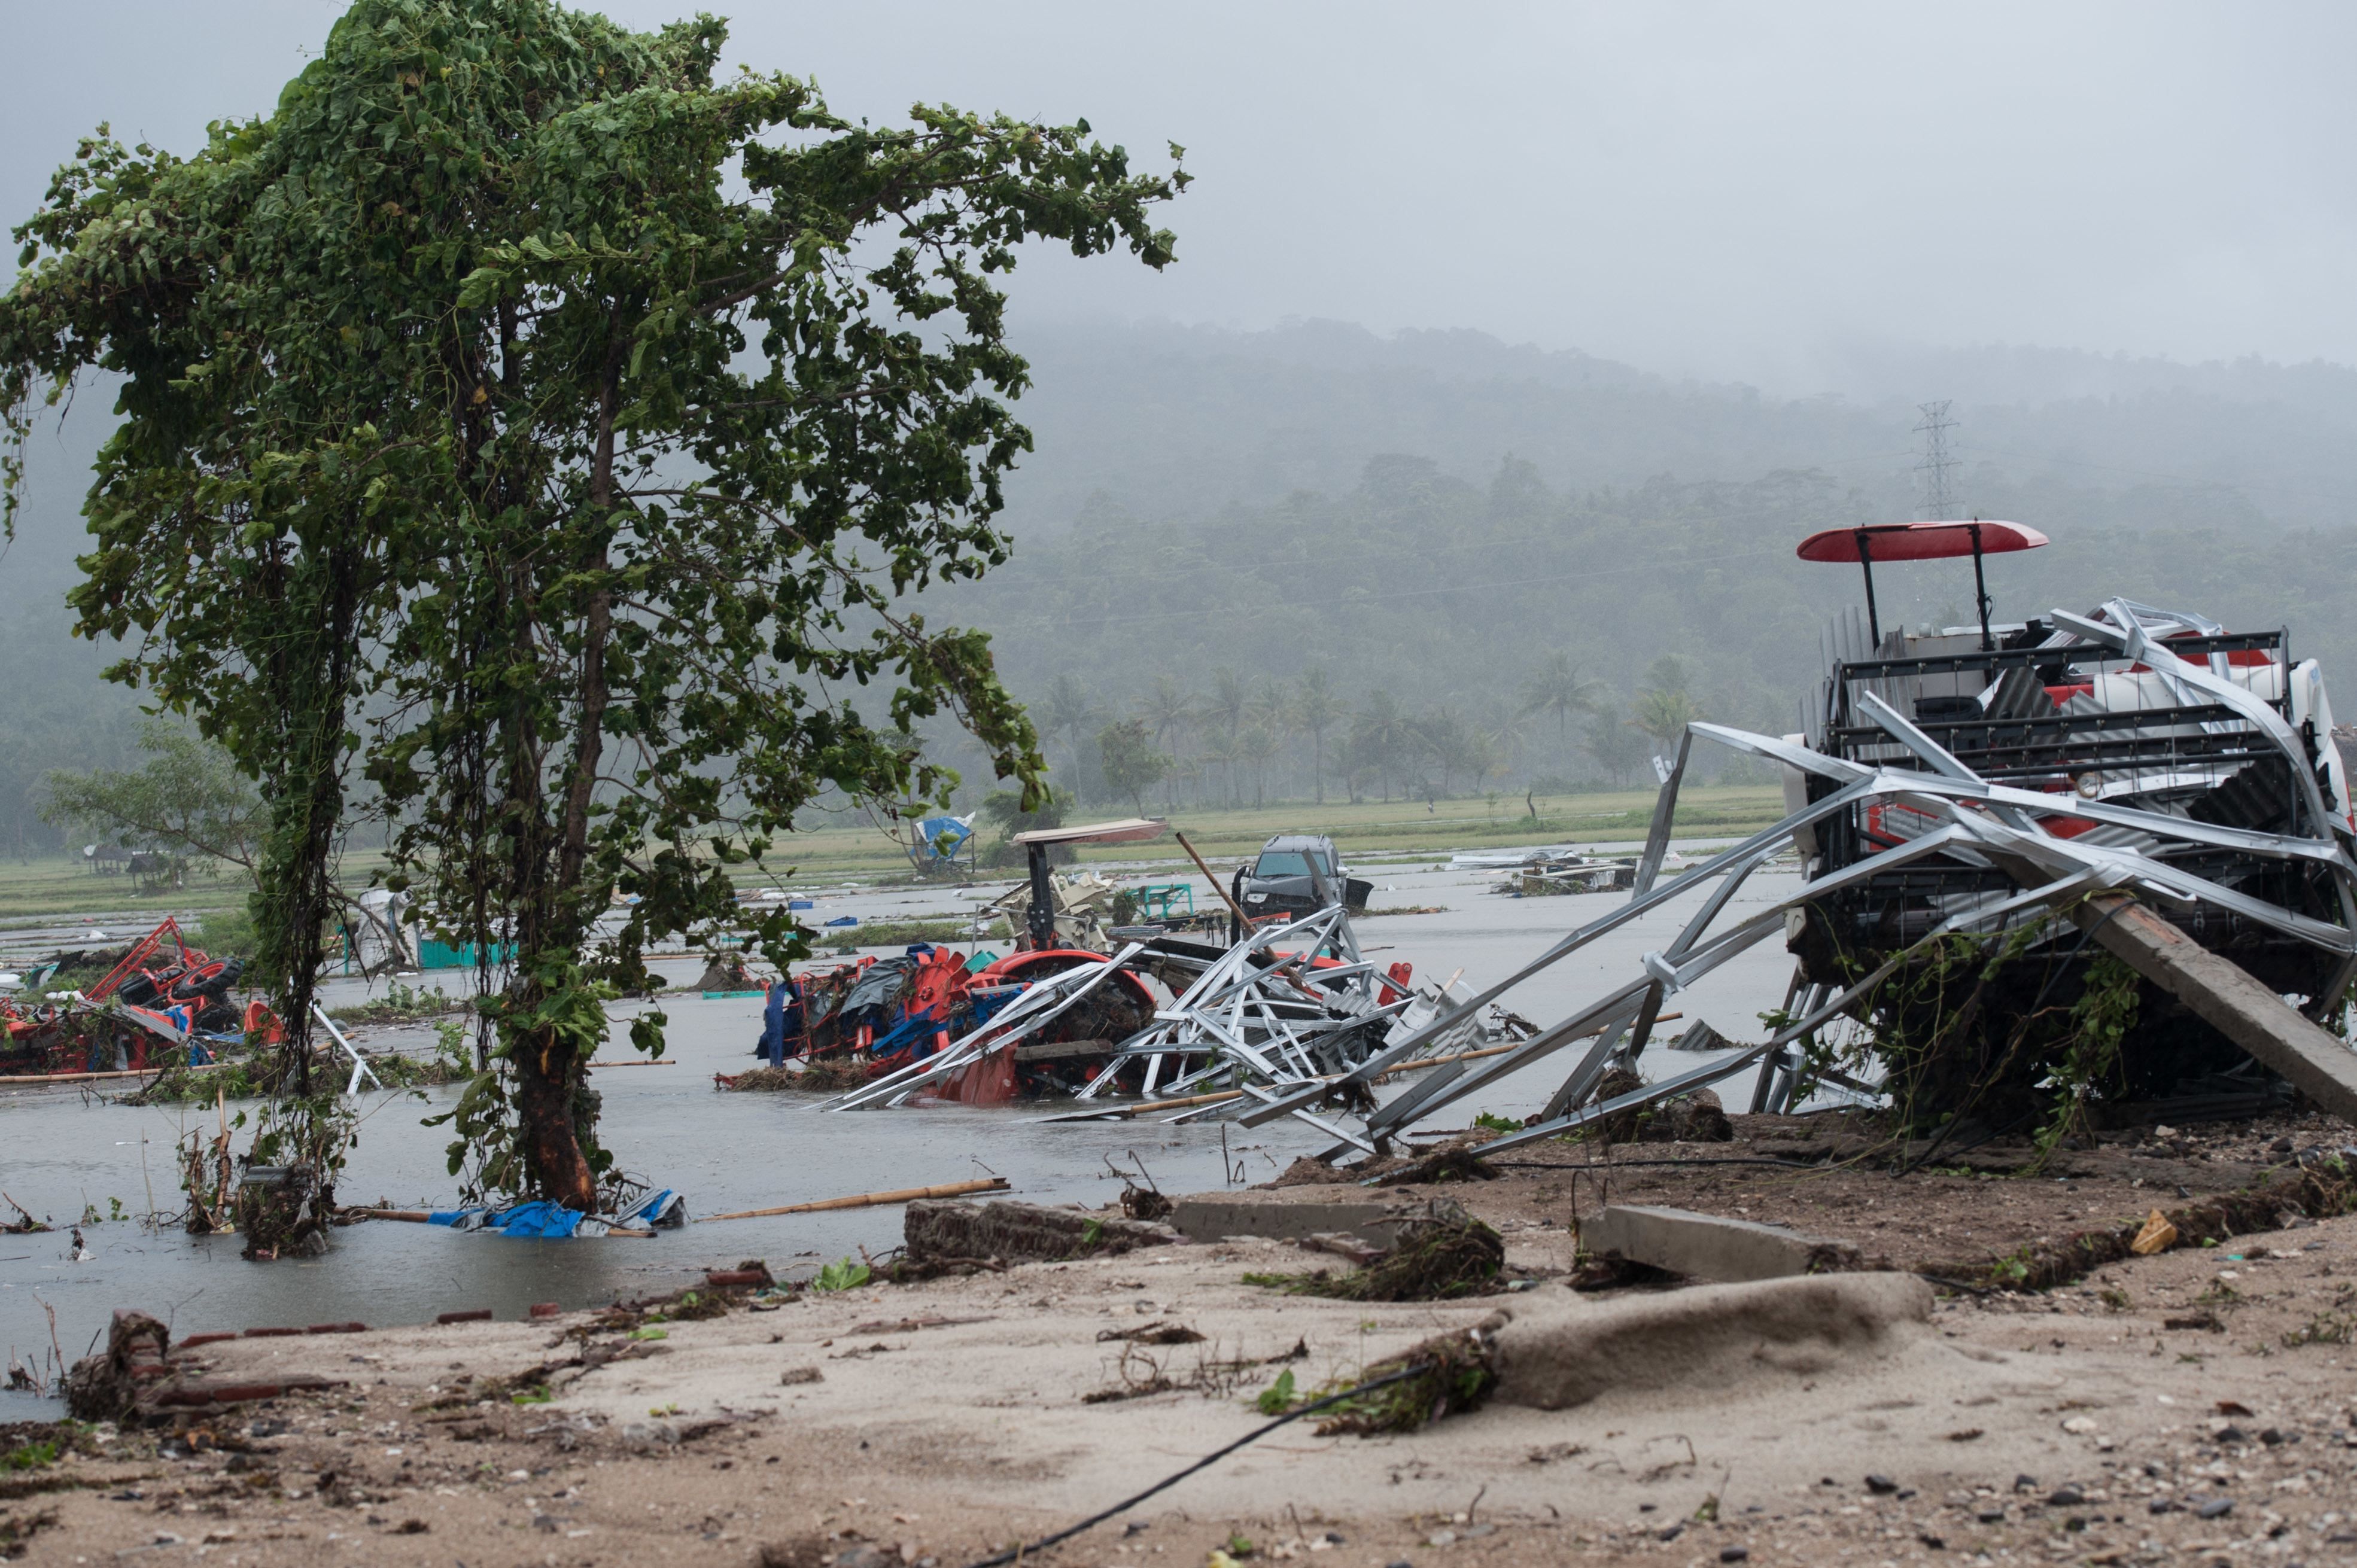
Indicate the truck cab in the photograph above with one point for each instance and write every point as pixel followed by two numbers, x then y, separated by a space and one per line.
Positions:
pixel 1296 874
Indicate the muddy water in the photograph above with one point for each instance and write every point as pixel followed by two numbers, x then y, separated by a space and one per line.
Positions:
pixel 62 1149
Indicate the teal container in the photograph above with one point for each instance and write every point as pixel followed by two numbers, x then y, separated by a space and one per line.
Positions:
pixel 432 954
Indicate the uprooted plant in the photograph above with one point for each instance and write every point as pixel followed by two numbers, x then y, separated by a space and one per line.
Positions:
pixel 1443 1255
pixel 1448 1374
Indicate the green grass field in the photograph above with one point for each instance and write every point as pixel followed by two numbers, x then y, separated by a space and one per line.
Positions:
pixel 854 849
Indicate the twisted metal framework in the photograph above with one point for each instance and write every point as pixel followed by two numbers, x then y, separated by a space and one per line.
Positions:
pixel 1958 850
pixel 2034 844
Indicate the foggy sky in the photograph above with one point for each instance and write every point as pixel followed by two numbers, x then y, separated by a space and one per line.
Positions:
pixel 1729 191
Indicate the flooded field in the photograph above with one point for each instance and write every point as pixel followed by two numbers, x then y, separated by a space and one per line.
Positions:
pixel 65 1149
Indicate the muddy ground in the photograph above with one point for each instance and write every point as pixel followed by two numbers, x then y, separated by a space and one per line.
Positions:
pixel 2192 1406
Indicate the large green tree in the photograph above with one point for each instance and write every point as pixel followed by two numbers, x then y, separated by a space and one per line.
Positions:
pixel 570 429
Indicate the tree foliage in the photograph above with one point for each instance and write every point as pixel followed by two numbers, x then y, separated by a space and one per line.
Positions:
pixel 1132 764
pixel 189 799
pixel 557 433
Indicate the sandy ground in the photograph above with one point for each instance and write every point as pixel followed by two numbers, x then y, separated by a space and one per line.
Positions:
pixel 942 1420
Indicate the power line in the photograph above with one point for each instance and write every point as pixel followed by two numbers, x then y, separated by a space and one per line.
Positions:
pixel 1939 503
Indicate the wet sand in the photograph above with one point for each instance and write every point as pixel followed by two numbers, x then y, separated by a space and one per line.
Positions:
pixel 945 1419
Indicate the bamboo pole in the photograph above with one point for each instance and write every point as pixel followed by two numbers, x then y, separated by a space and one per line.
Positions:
pixel 11 1079
pixel 864 1199
pixel 1233 908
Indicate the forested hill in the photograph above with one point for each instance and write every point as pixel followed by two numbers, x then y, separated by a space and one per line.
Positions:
pixel 1176 422
pixel 1444 603
pixel 1436 518
pixel 1432 517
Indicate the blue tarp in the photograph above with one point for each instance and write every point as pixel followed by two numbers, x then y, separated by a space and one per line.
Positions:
pixel 665 1209
pixel 938 838
pixel 545 1221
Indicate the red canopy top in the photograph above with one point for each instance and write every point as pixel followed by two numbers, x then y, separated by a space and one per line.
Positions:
pixel 1920 540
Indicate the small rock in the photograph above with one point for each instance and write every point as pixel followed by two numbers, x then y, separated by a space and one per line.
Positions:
pixel 2216 1508
pixel 2080 1426
pixel 866 1554
pixel 1735 1554
pixel 1671 1532
pixel 1933 1541
pixel 792 1375
pixel 2161 1505
pixel 1881 1486
pixel 1441 1537
pixel 2271 1437
pixel 2025 1483
pixel 1991 1516
pixel 2065 1497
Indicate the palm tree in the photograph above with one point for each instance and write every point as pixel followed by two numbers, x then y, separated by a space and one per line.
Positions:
pixel 1443 737
pixel 1228 695
pixel 1220 751
pixel 1663 716
pixel 1169 709
pixel 1068 712
pixel 1497 737
pixel 1381 734
pixel 1611 743
pixel 1257 745
pixel 1557 687
pixel 1314 710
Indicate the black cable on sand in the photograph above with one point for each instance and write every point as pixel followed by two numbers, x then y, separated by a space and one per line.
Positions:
pixel 1014 1553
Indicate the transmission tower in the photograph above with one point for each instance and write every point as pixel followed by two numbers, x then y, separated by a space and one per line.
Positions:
pixel 1938 502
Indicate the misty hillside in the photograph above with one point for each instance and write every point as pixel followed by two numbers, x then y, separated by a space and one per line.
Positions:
pixel 1432 515
pixel 1445 599
pixel 1179 421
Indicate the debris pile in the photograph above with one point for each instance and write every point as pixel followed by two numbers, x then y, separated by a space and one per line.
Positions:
pixel 1187 1026
pixel 2072 864
pixel 1549 871
pixel 165 1001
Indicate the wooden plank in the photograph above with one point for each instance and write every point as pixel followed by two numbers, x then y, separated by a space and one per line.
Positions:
pixel 2223 994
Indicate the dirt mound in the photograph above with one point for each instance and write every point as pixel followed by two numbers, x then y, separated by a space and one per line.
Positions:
pixel 1710 1337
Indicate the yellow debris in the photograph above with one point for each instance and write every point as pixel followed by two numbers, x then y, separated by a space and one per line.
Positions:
pixel 2158 1236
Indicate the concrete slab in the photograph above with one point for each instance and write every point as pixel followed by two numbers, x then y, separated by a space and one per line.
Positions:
pixel 1281 1217
pixel 1707 1247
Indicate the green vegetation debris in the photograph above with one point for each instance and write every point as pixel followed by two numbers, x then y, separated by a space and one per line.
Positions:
pixel 841 1274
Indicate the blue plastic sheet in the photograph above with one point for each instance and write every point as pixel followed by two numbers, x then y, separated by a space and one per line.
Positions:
pixel 547 1221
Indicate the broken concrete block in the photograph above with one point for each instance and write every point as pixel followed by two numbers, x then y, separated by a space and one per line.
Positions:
pixel 1713 1337
pixel 1707 1247
pixel 1021 1232
pixel 1278 1216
